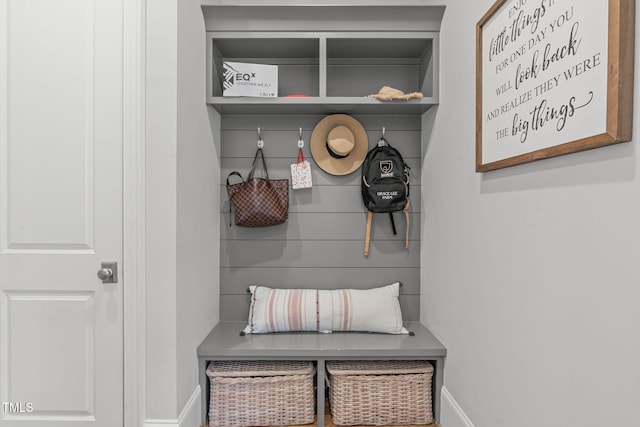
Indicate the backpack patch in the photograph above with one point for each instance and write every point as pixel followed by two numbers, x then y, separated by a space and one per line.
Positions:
pixel 386 166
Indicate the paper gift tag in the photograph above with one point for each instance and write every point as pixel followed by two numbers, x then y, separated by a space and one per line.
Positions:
pixel 301 173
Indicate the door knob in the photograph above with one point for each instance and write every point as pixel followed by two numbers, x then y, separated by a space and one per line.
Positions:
pixel 109 272
pixel 105 273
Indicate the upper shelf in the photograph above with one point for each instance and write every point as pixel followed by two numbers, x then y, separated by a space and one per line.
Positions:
pixel 336 68
pixel 318 105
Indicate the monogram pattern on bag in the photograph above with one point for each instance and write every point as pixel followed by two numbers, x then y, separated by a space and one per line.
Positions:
pixel 260 202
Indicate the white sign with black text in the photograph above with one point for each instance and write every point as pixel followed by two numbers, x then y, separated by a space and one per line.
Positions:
pixel 544 75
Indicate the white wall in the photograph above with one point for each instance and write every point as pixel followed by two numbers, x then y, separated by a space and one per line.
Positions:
pixel 161 224
pixel 529 273
pixel 182 207
pixel 198 170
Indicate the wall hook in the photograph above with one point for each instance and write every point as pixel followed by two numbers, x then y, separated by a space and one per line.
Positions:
pixel 300 140
pixel 260 141
pixel 382 140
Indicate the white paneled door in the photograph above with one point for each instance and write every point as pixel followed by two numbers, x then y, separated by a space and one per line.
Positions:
pixel 61 126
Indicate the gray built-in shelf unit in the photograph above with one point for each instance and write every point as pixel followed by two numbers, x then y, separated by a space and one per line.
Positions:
pixel 337 52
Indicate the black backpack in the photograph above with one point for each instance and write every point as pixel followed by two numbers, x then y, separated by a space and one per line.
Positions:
pixel 385 186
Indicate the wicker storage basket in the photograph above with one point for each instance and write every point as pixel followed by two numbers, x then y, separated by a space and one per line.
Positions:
pixel 261 393
pixel 380 392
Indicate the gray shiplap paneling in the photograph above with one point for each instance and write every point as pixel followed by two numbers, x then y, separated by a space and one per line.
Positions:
pixel 317 253
pixel 318 277
pixel 321 244
pixel 284 143
pixel 371 123
pixel 324 226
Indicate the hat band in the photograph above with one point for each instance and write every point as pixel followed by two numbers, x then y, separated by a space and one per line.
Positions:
pixel 334 154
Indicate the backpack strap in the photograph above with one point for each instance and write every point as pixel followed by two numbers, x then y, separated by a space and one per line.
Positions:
pixel 367 236
pixel 406 216
pixel 393 224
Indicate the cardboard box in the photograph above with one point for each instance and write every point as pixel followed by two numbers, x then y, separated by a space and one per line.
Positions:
pixel 244 79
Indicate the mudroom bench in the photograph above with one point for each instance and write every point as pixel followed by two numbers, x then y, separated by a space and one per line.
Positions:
pixel 225 342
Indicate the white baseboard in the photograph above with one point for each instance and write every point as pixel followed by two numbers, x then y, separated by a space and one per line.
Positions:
pixel 451 414
pixel 189 417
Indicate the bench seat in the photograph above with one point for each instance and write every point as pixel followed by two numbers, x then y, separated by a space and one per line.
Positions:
pixel 225 342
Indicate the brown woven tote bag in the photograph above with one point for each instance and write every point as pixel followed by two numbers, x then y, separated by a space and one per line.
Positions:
pixel 259 202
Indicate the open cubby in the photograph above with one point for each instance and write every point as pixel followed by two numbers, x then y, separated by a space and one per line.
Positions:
pixel 361 66
pixel 335 70
pixel 296 58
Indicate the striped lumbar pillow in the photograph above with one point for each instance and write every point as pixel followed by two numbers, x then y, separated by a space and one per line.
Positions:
pixel 288 310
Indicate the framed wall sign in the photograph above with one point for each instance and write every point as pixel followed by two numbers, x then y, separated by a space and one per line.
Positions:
pixel 552 77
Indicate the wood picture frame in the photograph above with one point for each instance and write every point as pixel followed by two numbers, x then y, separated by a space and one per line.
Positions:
pixel 552 77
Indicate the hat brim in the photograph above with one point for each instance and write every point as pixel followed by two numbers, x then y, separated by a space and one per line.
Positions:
pixel 321 155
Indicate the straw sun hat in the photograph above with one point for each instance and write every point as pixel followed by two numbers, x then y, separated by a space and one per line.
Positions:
pixel 339 144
